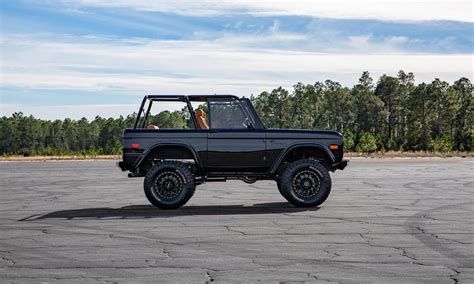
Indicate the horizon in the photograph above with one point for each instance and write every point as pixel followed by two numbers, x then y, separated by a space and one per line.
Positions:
pixel 85 58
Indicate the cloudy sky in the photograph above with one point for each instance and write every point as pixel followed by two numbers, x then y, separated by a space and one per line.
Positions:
pixel 75 58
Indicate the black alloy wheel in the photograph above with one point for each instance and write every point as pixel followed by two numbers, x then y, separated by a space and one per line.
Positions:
pixel 169 184
pixel 305 183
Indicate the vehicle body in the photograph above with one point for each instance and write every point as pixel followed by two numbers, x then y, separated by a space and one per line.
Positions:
pixel 230 142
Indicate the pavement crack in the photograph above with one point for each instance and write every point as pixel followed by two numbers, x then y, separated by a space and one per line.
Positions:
pixel 209 276
pixel 450 240
pixel 235 231
pixel 416 222
pixel 8 260
pixel 405 254
pixel 403 251
pixel 151 262
pixel 372 184
pixel 312 276
pixel 315 277
pixel 167 253
pixel 455 275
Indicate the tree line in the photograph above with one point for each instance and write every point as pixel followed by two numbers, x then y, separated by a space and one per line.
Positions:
pixel 391 114
pixel 26 135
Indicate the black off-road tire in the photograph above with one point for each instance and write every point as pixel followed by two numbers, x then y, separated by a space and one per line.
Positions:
pixel 305 183
pixel 282 192
pixel 169 184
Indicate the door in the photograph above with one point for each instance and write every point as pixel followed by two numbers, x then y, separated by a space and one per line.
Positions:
pixel 234 145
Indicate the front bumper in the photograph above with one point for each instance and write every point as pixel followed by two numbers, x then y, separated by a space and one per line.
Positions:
pixel 339 165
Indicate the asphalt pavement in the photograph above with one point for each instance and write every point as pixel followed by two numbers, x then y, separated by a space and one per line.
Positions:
pixel 386 220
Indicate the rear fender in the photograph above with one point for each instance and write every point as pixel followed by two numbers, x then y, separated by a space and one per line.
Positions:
pixel 154 147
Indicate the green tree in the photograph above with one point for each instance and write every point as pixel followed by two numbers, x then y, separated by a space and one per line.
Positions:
pixel 166 119
pixel 304 106
pixel 367 143
pixel 442 106
pixel 336 107
pixel 274 108
pixel 369 110
pixel 419 117
pixel 463 119
pixel 387 90
pixel 405 88
pixel 442 144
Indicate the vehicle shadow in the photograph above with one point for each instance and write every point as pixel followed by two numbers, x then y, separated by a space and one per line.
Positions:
pixel 149 211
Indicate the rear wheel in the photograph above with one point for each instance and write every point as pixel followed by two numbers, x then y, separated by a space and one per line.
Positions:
pixel 305 183
pixel 169 184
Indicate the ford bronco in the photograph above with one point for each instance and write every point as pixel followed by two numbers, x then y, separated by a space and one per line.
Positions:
pixel 223 138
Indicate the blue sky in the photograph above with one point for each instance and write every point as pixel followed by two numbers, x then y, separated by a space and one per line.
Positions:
pixel 82 58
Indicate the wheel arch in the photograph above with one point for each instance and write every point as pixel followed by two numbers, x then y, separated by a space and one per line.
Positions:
pixel 174 150
pixel 314 150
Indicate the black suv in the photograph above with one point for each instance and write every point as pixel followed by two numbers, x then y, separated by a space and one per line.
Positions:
pixel 224 138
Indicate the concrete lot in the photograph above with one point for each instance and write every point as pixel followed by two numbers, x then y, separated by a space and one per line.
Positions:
pixel 390 220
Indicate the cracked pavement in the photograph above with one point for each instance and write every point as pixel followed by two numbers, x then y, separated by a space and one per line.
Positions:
pixel 386 220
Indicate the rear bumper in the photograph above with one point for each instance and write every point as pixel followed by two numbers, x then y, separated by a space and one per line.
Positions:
pixel 121 166
pixel 128 161
pixel 339 165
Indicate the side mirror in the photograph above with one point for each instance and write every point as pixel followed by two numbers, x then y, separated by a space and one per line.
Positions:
pixel 249 124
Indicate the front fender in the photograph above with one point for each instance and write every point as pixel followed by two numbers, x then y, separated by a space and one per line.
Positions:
pixel 329 155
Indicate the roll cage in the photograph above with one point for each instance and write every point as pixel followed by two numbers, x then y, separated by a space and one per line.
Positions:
pixel 244 103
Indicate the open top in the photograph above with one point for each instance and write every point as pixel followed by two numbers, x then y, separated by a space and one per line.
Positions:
pixel 212 112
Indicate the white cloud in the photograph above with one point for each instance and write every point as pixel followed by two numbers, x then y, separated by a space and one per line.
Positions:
pixel 412 10
pixel 195 67
pixel 365 44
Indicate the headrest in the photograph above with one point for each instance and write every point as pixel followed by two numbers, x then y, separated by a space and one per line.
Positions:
pixel 200 112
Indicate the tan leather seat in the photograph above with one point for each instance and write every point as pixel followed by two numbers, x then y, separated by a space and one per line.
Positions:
pixel 152 126
pixel 201 119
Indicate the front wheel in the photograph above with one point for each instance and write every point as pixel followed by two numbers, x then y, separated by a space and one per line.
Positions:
pixel 169 184
pixel 305 183
pixel 282 192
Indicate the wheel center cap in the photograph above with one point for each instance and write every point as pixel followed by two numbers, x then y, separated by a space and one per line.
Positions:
pixel 168 185
pixel 306 184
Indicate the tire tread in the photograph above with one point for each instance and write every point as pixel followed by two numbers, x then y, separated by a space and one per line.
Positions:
pixel 286 184
pixel 177 166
